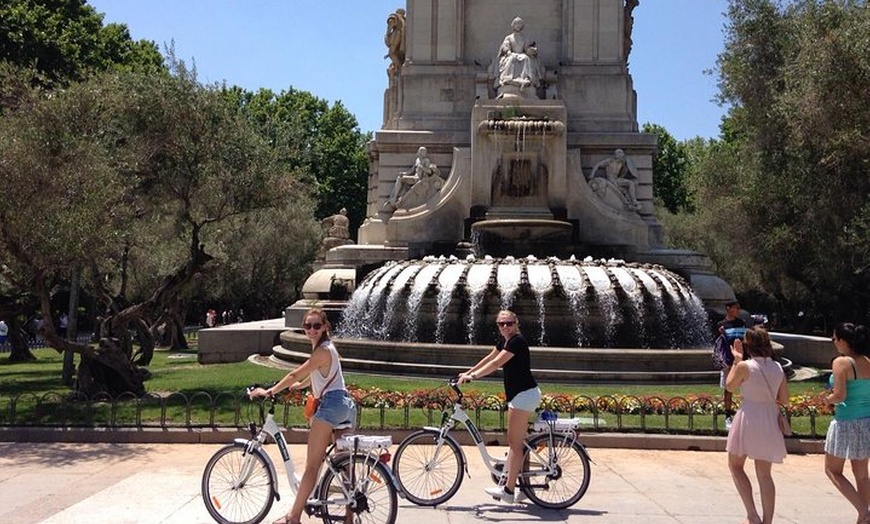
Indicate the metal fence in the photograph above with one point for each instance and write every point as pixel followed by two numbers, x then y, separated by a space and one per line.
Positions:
pixel 198 410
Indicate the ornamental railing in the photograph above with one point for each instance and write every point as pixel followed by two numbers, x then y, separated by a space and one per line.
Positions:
pixel 697 415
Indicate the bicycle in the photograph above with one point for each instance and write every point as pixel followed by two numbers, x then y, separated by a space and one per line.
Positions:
pixel 556 470
pixel 240 482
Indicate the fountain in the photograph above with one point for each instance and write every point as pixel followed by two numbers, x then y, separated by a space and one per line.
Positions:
pixel 563 303
pixel 541 202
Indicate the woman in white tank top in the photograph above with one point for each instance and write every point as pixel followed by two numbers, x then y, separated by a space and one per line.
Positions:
pixel 337 409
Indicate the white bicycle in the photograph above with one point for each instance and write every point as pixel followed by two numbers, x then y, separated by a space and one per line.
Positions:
pixel 240 482
pixel 556 467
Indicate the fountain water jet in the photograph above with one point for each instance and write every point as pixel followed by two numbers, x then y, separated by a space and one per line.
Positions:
pixel 445 308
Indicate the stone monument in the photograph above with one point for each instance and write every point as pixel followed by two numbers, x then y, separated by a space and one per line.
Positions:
pixel 527 108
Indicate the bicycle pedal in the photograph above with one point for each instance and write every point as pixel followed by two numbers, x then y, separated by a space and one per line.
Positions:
pixel 313 511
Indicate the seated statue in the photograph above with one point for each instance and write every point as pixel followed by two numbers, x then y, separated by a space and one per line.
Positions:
pixel 337 232
pixel 337 226
pixel 422 171
pixel 517 62
pixel 621 175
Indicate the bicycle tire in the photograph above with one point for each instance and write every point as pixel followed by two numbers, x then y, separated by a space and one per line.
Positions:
pixel 573 475
pixel 376 496
pixel 246 504
pixel 433 486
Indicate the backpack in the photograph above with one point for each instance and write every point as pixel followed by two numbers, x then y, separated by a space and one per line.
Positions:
pixel 722 357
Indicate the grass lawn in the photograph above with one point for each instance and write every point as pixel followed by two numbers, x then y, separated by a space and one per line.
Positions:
pixel 180 372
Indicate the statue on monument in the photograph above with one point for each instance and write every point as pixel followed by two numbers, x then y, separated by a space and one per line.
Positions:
pixel 337 232
pixel 415 186
pixel 628 21
pixel 518 67
pixel 394 39
pixel 620 177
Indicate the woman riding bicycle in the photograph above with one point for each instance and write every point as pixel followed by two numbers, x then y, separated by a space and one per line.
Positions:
pixel 521 391
pixel 337 408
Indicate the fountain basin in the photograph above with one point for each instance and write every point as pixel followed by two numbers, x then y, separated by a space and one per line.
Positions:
pixel 555 364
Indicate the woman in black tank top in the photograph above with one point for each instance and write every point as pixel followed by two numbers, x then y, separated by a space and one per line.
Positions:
pixel 511 353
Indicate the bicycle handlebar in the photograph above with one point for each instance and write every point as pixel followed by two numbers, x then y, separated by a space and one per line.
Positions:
pixel 454 384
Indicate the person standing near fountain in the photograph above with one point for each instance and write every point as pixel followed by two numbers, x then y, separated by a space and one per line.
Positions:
pixel 732 320
pixel 511 353
pixel 336 409
pixel 755 432
pixel 849 433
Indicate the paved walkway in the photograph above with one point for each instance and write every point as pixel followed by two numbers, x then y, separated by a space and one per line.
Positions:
pixel 63 483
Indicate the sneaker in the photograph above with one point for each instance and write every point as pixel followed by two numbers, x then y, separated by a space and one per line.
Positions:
pixel 727 422
pixel 498 493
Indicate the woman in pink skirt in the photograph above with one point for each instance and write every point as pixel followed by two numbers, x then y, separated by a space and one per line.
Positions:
pixel 755 430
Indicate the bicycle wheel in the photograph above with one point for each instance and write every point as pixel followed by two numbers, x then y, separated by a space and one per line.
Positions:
pixel 237 486
pixel 376 498
pixel 426 479
pixel 567 484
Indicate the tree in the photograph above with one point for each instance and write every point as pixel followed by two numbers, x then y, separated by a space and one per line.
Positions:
pixel 669 171
pixel 109 165
pixel 797 76
pixel 65 40
pixel 323 144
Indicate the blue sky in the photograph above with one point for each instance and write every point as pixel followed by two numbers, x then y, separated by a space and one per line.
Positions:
pixel 334 49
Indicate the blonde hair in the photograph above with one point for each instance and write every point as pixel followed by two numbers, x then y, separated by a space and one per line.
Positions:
pixel 511 314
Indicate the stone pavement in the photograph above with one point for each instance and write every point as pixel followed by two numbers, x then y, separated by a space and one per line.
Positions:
pixel 74 483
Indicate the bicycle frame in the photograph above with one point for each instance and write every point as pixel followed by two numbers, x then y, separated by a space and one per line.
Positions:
pixel 271 429
pixel 494 465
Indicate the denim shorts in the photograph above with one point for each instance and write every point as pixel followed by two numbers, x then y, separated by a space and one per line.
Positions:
pixel 337 408
pixel 527 400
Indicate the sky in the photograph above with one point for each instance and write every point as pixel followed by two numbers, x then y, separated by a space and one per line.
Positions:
pixel 334 49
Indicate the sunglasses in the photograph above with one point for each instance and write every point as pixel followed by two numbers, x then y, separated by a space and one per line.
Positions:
pixel 315 326
pixel 505 323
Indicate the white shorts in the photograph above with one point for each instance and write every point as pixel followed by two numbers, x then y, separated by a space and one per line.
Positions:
pixel 527 400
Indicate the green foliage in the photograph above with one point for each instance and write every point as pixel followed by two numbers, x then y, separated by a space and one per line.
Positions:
pixel 785 189
pixel 64 40
pixel 322 144
pixel 670 165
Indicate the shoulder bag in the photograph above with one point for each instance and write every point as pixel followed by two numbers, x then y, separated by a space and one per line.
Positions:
pixel 784 424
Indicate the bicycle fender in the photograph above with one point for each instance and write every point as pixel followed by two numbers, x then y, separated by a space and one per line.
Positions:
pixel 586 453
pixel 244 443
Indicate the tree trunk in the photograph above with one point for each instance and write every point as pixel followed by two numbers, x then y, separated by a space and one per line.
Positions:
pixel 146 343
pixel 72 328
pixel 18 343
pixel 178 340
pixel 109 371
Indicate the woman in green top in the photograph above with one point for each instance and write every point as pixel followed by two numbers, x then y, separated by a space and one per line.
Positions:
pixel 849 433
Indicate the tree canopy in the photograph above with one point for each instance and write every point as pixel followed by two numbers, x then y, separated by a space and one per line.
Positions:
pixel 322 143
pixel 64 40
pixel 787 183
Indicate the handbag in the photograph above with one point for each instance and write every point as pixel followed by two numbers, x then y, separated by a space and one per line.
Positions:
pixel 312 402
pixel 784 425
pixel 782 419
